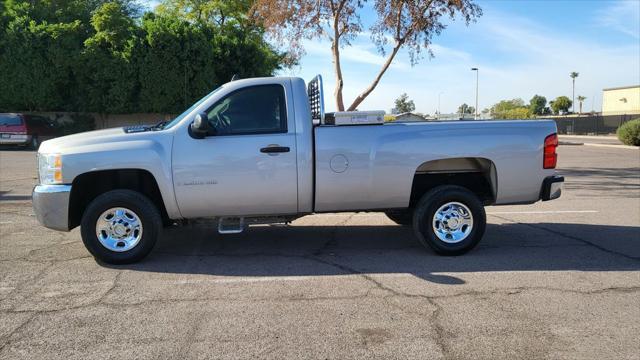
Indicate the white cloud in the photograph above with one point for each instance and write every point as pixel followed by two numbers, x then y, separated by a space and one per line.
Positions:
pixel 443 52
pixel 517 57
pixel 358 52
pixel 544 60
pixel 622 16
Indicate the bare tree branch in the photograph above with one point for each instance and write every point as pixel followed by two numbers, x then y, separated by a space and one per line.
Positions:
pixel 335 48
pixel 411 24
pixel 360 98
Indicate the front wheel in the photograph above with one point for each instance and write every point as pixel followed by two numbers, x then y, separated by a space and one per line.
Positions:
pixel 450 220
pixel 120 227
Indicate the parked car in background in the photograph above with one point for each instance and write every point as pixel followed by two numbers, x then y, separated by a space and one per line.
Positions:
pixel 25 130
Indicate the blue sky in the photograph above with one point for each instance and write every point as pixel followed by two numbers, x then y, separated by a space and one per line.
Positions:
pixel 522 48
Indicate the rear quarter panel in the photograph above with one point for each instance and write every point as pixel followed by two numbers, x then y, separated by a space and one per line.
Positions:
pixel 382 159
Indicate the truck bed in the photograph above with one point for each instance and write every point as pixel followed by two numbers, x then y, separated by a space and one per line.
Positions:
pixel 373 166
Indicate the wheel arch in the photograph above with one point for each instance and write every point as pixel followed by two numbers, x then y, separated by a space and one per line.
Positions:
pixel 477 174
pixel 89 185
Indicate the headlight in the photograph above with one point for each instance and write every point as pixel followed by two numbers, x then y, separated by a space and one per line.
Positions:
pixel 50 169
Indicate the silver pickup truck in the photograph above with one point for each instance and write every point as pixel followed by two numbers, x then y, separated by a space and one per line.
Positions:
pixel 260 150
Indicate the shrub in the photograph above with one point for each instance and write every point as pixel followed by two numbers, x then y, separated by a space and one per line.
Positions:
pixel 629 132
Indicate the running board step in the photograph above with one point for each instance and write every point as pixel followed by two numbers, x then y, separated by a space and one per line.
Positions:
pixel 231 225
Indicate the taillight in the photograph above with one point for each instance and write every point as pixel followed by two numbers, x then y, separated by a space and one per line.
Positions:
pixel 550 156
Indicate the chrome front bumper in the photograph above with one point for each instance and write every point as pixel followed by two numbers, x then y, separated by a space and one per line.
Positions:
pixel 51 206
pixel 551 188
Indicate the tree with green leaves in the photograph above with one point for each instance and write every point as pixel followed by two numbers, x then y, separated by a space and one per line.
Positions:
pixel 573 75
pixel 561 104
pixel 501 109
pixel 466 109
pixel 107 75
pixel 511 109
pixel 99 56
pixel 537 105
pixel 517 113
pixel 403 104
pixel 581 99
pixel 214 12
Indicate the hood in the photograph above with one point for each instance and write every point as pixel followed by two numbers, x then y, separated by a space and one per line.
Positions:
pixel 94 140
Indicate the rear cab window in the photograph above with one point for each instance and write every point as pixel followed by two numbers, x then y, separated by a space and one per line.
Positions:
pixel 10 120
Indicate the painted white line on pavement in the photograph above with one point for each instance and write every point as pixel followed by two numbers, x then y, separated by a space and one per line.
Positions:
pixel 545 212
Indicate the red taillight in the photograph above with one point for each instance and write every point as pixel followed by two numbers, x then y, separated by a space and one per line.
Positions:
pixel 550 156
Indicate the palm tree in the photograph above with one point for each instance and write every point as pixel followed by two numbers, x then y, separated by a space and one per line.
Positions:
pixel 573 76
pixel 581 99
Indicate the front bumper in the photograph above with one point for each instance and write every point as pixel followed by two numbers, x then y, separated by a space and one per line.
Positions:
pixel 51 206
pixel 551 187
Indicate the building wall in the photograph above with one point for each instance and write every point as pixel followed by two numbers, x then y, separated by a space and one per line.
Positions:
pixel 409 117
pixel 624 100
pixel 455 116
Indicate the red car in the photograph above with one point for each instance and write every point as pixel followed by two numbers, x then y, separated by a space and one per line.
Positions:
pixel 26 130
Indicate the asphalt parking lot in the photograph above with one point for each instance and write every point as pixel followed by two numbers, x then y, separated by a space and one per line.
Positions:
pixel 559 279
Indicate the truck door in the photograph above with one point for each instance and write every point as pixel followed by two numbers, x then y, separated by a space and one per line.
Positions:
pixel 248 164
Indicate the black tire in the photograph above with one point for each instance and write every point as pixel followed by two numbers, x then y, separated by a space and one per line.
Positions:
pixel 430 203
pixel 34 144
pixel 141 205
pixel 401 217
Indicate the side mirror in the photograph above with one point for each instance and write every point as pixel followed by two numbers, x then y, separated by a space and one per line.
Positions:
pixel 200 126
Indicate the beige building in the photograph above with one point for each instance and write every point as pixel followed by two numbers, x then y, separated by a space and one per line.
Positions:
pixel 408 116
pixel 621 100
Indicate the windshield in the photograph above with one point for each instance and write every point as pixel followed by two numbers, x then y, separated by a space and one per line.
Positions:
pixel 186 112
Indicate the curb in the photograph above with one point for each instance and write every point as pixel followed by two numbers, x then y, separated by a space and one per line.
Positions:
pixel 608 137
pixel 614 146
pixel 569 143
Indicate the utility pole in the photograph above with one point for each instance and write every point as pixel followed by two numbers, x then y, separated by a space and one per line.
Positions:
pixel 477 78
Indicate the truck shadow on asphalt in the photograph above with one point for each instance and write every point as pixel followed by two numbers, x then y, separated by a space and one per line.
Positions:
pixel 338 250
pixel 5 196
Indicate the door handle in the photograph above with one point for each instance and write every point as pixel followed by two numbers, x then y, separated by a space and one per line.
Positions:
pixel 272 149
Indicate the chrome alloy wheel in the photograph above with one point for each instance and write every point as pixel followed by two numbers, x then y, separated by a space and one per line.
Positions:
pixel 119 229
pixel 452 222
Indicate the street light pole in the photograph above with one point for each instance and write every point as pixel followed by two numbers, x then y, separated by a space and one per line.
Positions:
pixel 440 93
pixel 477 78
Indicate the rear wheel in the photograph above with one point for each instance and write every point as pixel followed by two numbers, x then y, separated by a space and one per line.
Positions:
pixel 120 227
pixel 401 217
pixel 450 220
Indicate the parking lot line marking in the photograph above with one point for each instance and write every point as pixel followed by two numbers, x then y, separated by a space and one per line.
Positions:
pixel 544 212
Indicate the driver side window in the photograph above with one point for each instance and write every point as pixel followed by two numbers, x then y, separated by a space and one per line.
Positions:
pixel 257 109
